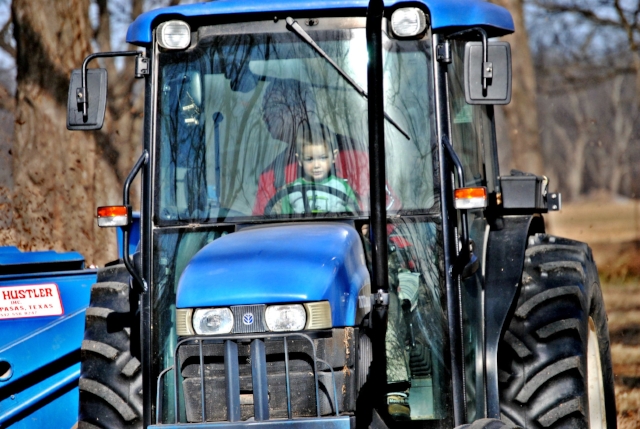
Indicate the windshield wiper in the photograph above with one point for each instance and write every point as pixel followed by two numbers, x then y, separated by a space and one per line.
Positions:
pixel 293 25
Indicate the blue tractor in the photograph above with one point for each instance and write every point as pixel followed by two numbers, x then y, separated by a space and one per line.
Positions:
pixel 326 238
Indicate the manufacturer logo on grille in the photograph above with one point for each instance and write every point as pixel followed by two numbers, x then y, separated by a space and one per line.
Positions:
pixel 247 318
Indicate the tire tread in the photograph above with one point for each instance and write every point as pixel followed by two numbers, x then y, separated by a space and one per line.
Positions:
pixel 546 388
pixel 108 396
pixel 110 377
pixel 560 411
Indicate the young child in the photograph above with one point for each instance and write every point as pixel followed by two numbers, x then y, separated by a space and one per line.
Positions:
pixel 324 191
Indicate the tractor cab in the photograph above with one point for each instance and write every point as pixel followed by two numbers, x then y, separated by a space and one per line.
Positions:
pixel 263 143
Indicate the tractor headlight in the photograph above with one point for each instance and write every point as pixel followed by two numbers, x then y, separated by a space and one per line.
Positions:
pixel 291 317
pixel 212 321
pixel 408 22
pixel 174 35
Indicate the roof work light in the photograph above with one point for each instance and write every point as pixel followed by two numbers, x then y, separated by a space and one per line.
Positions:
pixel 174 35
pixel 408 22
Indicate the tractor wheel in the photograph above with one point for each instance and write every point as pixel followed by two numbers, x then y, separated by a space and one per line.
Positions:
pixel 554 362
pixel 488 424
pixel 111 378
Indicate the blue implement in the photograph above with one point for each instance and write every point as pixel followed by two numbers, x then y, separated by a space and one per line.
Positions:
pixel 41 331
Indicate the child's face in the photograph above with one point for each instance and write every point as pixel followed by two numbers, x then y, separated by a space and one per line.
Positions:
pixel 316 161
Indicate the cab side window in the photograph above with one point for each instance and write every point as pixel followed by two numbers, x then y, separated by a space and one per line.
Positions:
pixel 472 136
pixel 471 126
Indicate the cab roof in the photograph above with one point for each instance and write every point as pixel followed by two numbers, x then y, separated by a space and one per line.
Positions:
pixel 446 15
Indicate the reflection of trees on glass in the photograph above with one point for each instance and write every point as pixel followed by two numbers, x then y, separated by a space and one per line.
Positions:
pixel 408 101
pixel 471 127
pixel 183 182
pixel 422 254
pixel 173 250
pixel 230 110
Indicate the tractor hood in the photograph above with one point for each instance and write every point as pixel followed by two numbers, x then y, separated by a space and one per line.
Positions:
pixel 280 264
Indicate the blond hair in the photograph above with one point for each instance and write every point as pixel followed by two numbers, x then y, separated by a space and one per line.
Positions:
pixel 315 134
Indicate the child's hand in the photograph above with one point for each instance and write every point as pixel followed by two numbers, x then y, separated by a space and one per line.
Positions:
pixel 408 284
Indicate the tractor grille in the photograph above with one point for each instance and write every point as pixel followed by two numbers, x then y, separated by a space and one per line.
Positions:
pixel 248 319
pixel 250 377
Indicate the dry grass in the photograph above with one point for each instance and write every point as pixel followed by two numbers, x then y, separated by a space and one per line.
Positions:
pixel 624 298
pixel 610 227
pixel 598 221
pixel 627 361
pixel 628 419
pixel 623 308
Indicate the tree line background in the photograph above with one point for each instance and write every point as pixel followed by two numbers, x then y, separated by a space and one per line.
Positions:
pixel 573 116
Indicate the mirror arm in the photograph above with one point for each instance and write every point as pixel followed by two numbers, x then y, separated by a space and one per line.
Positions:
pixel 81 93
pixel 487 67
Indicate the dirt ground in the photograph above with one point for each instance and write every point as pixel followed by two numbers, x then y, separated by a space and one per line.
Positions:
pixel 612 229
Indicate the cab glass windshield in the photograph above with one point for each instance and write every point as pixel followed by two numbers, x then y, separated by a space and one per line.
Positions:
pixel 259 125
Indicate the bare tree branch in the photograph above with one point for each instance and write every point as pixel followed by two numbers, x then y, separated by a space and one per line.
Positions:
pixel 5 35
pixel 569 79
pixel 103 30
pixel 613 14
pixel 585 12
pixel 626 26
pixel 136 8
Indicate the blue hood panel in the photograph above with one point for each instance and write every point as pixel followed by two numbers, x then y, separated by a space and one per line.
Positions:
pixel 279 264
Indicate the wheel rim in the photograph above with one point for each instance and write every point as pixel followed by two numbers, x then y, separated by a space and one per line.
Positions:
pixel 597 412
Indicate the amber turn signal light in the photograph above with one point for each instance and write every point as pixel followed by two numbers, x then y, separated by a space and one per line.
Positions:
pixel 470 198
pixel 109 216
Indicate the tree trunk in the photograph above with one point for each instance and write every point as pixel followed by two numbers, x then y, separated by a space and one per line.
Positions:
pixel 575 149
pixel 624 115
pixel 54 169
pixel 521 114
pixel 7 106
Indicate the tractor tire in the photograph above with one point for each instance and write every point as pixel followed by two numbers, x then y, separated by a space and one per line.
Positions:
pixel 554 361
pixel 488 424
pixel 111 377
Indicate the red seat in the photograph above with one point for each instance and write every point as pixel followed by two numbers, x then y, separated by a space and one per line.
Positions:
pixel 352 165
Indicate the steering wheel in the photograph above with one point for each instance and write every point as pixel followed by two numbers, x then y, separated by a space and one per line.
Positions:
pixel 349 203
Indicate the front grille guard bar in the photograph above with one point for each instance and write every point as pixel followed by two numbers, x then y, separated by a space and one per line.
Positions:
pixel 232 376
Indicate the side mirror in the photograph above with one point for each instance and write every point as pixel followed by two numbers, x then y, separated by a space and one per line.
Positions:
pixel 96 99
pixel 496 70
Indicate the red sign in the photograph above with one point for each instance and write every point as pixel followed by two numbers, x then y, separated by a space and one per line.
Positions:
pixel 30 301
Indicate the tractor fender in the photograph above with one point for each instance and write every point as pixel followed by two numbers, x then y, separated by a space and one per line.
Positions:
pixel 504 264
